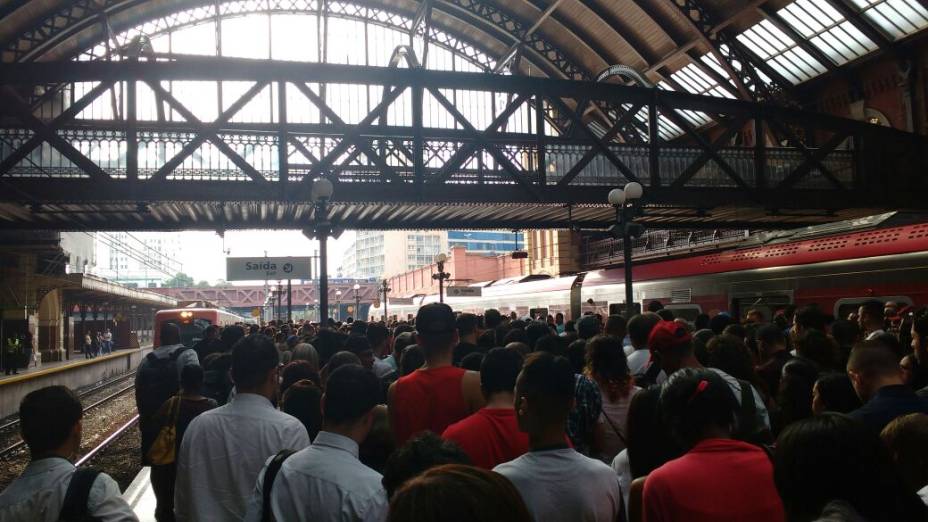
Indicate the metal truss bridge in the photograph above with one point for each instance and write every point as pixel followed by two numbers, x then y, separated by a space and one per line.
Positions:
pixel 130 146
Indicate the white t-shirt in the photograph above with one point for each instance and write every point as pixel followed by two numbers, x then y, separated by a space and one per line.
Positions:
pixel 612 418
pixel 624 470
pixel 563 485
pixel 638 360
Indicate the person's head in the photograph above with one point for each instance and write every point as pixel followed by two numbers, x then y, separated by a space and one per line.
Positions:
pixel 420 453
pixel 809 318
pixel 254 365
pixel 413 359
pixel 327 343
pixel 487 339
pixel 665 314
pixel 607 364
pixel 906 438
pixel 191 379
pixel 870 316
pixel 754 316
pixel 655 306
pixel 833 391
pixel 303 400
pixel 639 328
pixel 306 352
pixel 378 335
pixel 770 339
pixel 435 330
pixel 672 344
pixel 816 346
pixel 576 354
pixel 296 371
pixel 736 330
pixel 472 361
pixel 169 334
pixel 292 341
pixel 872 366
pixel 343 358
pixel 702 322
pixel 544 392
pixel 499 371
pixel 535 331
pixel 909 367
pixel 650 443
pixel 919 332
pixel 457 493
pixel 551 343
pixel 845 332
pixel 589 326
pixel 559 318
pixel 522 348
pixel 718 323
pixel 50 422
pixel 231 335
pixel 211 332
pixel 729 354
pixel 360 346
pixel 380 443
pixel 515 335
pixel 400 342
pixel 615 326
pixel 570 326
pixel 492 318
pixel 700 340
pixel 351 393
pixel 830 457
pixel 467 327
pixel 697 404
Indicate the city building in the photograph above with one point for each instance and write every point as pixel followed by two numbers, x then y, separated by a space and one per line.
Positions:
pixel 487 242
pixel 140 259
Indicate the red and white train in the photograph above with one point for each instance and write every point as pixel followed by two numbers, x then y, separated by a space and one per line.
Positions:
pixel 193 322
pixel 837 267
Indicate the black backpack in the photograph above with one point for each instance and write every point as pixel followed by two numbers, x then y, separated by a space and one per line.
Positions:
pixel 74 508
pixel 269 476
pixel 157 382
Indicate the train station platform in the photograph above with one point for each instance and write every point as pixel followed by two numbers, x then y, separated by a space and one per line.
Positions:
pixel 141 497
pixel 74 373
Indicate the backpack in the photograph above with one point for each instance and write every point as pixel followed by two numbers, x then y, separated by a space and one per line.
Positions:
pixel 269 476
pixel 157 382
pixel 74 508
pixel 747 428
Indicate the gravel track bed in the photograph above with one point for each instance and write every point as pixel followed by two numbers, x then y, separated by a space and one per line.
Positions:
pixel 97 425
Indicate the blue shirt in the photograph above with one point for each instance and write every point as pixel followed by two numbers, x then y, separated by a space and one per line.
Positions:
pixel 888 403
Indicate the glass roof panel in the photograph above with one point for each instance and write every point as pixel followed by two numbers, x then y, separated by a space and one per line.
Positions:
pixel 781 52
pixel 827 29
pixel 897 18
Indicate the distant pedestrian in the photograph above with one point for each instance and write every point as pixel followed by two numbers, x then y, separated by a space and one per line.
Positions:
pixel 88 344
pixel 108 341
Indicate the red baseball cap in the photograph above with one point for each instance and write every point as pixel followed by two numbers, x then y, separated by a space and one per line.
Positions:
pixel 668 334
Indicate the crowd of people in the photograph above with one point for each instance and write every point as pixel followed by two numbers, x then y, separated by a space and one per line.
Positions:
pixel 451 416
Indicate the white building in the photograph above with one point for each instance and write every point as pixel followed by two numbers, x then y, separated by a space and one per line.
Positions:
pixel 379 254
pixel 143 259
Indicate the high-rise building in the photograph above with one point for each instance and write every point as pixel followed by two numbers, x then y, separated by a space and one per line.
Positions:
pixel 143 259
pixel 379 254
pixel 486 242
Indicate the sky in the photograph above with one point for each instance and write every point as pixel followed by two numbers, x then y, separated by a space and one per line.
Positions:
pixel 203 259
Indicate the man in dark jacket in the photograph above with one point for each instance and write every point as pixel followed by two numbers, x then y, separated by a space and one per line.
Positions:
pixel 877 379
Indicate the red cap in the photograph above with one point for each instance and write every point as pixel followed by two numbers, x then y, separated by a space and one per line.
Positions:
pixel 668 334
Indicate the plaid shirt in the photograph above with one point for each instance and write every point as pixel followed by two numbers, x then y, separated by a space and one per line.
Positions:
pixel 588 403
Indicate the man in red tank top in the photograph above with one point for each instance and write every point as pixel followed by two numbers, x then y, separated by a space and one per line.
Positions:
pixel 438 394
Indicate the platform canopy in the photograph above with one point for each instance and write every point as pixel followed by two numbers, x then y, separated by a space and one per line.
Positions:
pixel 173 114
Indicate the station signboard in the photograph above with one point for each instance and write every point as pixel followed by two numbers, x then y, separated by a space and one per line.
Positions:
pixel 463 291
pixel 268 268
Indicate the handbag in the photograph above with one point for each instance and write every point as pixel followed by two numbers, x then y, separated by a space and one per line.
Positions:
pixel 163 449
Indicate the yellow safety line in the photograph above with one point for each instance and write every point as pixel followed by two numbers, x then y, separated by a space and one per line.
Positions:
pixel 66 367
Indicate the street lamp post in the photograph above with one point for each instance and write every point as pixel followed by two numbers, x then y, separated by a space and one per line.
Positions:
pixel 385 288
pixel 357 301
pixel 440 259
pixel 320 194
pixel 338 305
pixel 625 201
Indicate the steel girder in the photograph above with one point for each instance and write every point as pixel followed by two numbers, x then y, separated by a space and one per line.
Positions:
pixel 62 163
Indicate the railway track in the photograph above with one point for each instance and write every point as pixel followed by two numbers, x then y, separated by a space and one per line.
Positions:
pixel 16 446
pixel 113 437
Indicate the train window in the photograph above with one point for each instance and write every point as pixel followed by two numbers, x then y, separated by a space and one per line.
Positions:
pixel 191 332
pixel 847 306
pixel 619 309
pixel 768 305
pixel 687 312
pixel 539 314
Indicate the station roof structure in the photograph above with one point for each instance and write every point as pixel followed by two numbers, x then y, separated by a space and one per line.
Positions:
pixel 710 65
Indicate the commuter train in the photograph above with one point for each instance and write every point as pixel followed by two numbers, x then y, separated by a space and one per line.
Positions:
pixel 836 267
pixel 193 322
